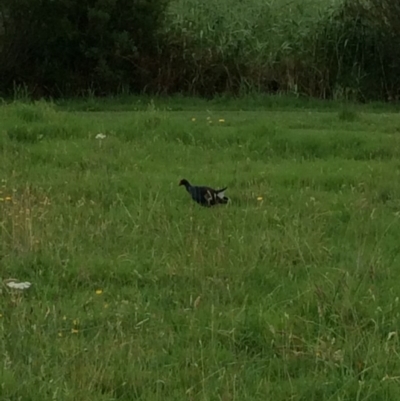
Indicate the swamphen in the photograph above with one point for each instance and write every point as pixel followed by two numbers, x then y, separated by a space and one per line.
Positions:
pixel 205 196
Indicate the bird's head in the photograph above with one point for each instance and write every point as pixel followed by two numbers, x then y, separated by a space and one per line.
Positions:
pixel 184 182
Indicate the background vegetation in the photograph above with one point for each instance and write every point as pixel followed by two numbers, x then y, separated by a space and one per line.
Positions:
pixel 337 49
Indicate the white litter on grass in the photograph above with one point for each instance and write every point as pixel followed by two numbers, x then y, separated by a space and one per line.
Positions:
pixel 18 286
pixel 100 136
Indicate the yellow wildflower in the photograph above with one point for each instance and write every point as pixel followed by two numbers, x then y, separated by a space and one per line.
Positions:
pixel 259 198
pixel 99 292
pixel 221 120
pixel 8 198
pixel 193 119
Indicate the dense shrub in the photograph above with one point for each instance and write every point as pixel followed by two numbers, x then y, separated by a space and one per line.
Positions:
pixel 73 45
pixel 356 49
pixel 350 50
pixel 64 47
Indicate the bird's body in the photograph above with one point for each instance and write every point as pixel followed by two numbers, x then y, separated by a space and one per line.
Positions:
pixel 205 196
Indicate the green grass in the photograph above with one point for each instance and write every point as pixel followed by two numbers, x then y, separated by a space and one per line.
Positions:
pixel 294 296
pixel 262 28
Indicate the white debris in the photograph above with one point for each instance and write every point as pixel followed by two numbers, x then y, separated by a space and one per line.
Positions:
pixel 18 286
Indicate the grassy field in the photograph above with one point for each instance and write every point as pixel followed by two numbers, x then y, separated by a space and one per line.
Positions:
pixel 290 292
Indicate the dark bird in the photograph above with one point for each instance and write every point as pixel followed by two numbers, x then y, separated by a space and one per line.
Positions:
pixel 205 196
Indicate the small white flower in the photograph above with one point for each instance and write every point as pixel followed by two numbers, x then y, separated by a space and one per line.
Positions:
pixel 18 286
pixel 100 136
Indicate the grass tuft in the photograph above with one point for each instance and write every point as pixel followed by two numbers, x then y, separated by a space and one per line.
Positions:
pixel 39 111
pixel 347 114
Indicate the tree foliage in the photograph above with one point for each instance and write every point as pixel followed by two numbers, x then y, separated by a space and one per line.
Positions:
pixel 64 47
pixel 75 44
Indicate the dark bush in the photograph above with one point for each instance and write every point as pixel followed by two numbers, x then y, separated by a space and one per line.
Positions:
pixel 356 50
pixel 76 45
pixel 67 47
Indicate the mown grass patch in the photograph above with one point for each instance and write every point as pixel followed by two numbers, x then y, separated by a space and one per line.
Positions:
pixel 290 291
